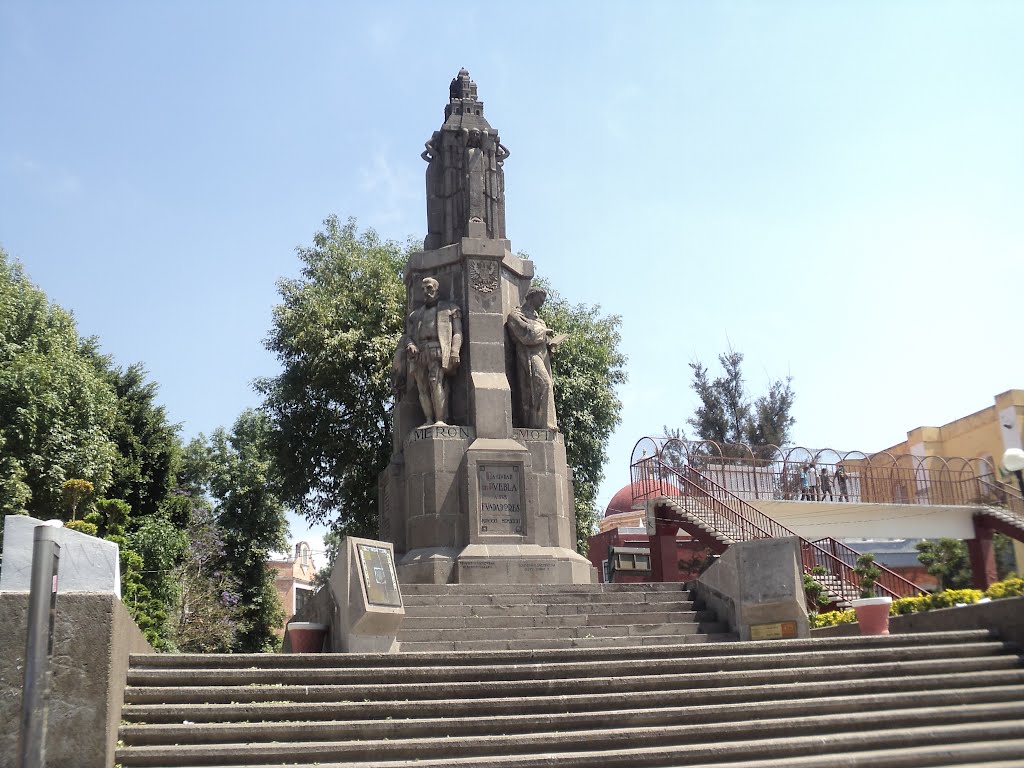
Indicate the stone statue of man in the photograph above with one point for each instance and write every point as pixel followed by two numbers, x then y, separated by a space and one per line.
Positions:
pixel 433 341
pixel 534 342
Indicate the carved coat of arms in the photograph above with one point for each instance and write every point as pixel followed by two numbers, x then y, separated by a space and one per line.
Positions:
pixel 483 275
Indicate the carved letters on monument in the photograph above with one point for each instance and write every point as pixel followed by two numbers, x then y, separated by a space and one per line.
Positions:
pixel 501 499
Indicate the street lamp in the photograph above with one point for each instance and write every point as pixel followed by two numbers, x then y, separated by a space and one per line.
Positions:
pixel 1013 460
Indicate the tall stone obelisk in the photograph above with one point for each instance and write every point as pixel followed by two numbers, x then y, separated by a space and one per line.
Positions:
pixel 478 489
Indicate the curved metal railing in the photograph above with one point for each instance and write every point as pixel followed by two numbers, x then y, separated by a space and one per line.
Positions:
pixel 727 513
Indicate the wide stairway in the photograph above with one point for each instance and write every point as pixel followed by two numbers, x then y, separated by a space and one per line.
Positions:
pixel 940 699
pixel 488 617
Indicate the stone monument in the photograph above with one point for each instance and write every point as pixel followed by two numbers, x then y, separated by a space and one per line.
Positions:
pixel 478 489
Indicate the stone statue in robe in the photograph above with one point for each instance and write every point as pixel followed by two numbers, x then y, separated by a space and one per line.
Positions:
pixel 534 342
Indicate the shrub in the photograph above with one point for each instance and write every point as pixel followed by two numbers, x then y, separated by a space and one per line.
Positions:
pixel 946 599
pixel 1009 588
pixel 831 618
pixel 89 529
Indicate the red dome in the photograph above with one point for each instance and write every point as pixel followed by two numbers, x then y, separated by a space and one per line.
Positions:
pixel 622 501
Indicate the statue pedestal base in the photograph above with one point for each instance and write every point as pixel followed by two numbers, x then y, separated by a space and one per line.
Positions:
pixel 495 564
pixel 484 511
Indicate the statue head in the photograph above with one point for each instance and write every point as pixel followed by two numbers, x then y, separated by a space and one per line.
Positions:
pixel 535 297
pixel 430 286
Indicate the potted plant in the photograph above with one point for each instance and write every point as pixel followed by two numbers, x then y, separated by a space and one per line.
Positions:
pixel 872 612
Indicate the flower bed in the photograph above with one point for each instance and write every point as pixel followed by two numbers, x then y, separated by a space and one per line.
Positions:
pixel 1013 587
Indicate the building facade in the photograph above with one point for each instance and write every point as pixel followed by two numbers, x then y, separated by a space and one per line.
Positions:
pixel 294 579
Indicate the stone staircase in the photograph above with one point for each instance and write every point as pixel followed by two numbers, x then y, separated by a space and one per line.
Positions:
pixel 487 617
pixel 953 698
pixel 1005 520
pixel 693 511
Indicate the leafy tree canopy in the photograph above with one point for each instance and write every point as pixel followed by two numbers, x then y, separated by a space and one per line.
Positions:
pixel 236 469
pixel 57 411
pixel 728 414
pixel 947 560
pixel 335 333
pixel 587 368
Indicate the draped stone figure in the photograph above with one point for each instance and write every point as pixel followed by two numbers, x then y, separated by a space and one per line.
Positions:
pixel 433 340
pixel 534 342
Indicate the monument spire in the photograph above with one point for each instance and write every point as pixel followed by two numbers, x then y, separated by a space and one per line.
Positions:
pixel 465 178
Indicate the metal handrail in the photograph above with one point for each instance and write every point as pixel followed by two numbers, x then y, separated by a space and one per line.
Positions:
pixel 651 478
pixel 889 582
pixel 1003 493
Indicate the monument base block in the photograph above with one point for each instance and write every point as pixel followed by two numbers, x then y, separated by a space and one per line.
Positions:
pixel 496 564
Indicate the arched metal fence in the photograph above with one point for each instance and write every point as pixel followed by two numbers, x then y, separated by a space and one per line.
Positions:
pixel 784 473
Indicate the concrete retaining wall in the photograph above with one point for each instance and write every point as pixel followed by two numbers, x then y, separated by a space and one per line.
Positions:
pixel 754 583
pixel 93 637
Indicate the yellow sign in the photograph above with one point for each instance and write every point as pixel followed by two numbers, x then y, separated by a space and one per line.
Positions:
pixel 779 631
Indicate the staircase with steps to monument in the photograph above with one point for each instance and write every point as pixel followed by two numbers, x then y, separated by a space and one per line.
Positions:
pixel 487 617
pixel 954 698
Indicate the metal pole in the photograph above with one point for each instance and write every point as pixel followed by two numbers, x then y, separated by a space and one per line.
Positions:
pixel 42 608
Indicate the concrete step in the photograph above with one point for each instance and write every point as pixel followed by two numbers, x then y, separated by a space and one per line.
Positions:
pixel 771 647
pixel 538 589
pixel 622 631
pixel 954 698
pixel 521 687
pixel 615 641
pixel 563 670
pixel 973 755
pixel 555 598
pixel 957 687
pixel 779 737
pixel 503 621
pixel 390 728
pixel 539 609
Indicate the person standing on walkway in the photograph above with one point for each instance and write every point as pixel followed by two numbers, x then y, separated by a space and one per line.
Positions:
pixel 841 482
pixel 805 484
pixel 812 482
pixel 826 485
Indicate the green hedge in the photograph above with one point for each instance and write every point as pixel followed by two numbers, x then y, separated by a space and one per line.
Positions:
pixel 1012 587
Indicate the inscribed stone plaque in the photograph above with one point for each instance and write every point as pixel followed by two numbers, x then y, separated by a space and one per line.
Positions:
pixel 501 499
pixel 378 571
pixel 779 631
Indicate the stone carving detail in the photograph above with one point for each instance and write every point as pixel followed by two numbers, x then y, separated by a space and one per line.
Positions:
pixel 483 275
pixel 433 340
pixel 534 342
pixel 465 179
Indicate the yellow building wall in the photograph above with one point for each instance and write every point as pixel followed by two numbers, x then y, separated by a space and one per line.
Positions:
pixel 979 435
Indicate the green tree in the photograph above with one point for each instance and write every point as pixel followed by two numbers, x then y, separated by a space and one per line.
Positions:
pixel 251 515
pixel 587 368
pixel 147 444
pixel 335 333
pixel 948 561
pixel 56 409
pixel 207 619
pixel 728 415
pixel 76 492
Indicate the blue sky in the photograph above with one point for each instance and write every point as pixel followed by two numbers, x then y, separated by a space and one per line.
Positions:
pixel 835 189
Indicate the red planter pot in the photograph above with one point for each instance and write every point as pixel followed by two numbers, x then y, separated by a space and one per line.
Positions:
pixel 306 637
pixel 872 614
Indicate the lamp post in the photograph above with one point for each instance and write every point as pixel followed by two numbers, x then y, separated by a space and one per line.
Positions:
pixel 1013 460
